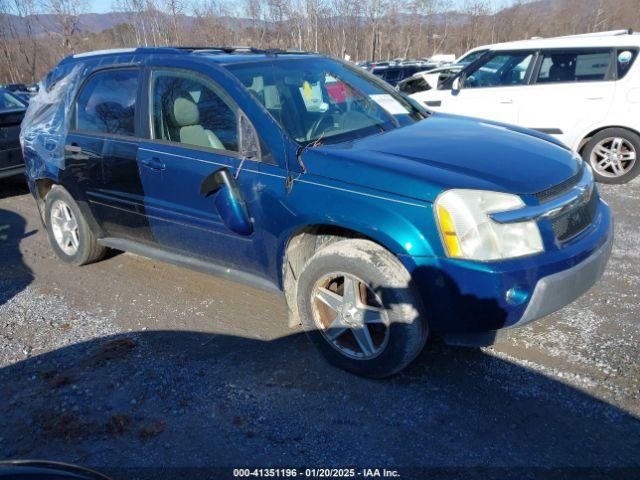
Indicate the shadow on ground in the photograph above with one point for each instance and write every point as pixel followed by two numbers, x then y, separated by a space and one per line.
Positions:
pixel 15 276
pixel 176 399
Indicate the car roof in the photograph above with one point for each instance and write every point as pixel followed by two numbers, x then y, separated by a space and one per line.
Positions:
pixel 222 55
pixel 622 39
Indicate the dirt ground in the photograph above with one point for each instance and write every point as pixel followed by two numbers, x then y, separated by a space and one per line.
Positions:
pixel 131 363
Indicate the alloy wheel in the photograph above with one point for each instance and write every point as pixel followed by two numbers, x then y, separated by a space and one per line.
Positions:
pixel 613 157
pixel 65 227
pixel 350 316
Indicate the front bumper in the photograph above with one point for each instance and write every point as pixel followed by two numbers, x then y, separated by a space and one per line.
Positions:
pixel 559 289
pixel 463 297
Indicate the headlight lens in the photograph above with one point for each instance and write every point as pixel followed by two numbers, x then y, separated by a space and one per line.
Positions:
pixel 468 232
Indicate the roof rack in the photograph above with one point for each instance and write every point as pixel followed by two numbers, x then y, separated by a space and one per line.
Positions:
pixel 610 33
pixel 239 49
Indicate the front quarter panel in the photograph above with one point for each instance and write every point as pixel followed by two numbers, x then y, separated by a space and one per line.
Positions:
pixel 405 227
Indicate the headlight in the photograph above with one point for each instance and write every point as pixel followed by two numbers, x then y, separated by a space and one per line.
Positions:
pixel 468 232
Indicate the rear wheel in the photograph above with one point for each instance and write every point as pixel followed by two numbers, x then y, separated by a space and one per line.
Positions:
pixel 69 234
pixel 358 307
pixel 613 155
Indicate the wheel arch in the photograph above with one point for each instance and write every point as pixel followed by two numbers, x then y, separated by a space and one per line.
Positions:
pixel 40 187
pixel 585 138
pixel 43 185
pixel 301 244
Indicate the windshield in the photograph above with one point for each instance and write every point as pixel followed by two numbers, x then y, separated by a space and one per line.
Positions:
pixel 324 100
pixel 470 57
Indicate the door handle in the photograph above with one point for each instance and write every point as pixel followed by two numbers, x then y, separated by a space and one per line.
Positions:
pixel 506 101
pixel 75 152
pixel 73 148
pixel 153 163
pixel 595 98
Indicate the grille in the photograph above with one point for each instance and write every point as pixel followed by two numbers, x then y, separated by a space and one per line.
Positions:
pixel 571 223
pixel 561 188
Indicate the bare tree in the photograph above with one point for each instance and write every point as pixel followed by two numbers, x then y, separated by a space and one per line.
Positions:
pixel 31 43
pixel 67 16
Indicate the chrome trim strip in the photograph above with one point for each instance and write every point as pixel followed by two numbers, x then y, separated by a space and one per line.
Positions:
pixel 578 195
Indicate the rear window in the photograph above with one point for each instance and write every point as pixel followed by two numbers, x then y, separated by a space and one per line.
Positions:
pixel 107 103
pixel 581 66
pixel 392 74
pixel 625 58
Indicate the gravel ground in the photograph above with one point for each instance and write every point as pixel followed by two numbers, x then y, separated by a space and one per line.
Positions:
pixel 132 363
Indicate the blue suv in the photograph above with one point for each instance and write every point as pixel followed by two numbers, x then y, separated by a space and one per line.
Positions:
pixel 379 220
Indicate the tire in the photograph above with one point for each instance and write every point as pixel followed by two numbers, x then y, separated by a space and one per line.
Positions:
pixel 394 339
pixel 622 171
pixel 76 246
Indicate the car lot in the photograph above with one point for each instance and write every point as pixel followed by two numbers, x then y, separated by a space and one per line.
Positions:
pixel 136 363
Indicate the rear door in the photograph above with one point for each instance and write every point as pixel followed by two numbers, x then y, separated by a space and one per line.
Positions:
pixel 101 151
pixel 572 89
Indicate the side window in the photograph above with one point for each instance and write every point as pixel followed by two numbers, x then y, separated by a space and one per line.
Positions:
pixel 9 102
pixel 582 66
pixel 189 109
pixel 625 59
pixel 107 103
pixel 500 70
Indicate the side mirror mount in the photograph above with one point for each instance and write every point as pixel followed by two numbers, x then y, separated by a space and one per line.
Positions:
pixel 229 201
pixel 248 139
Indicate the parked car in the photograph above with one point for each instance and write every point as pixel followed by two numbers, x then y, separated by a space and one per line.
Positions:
pixel 437 77
pixel 393 75
pixel 379 221
pixel 11 113
pixel 16 87
pixel 583 90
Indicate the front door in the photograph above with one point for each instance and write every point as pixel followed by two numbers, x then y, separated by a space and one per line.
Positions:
pixel 493 88
pixel 194 133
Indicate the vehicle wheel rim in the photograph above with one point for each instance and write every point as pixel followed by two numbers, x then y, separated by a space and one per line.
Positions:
pixel 350 316
pixel 613 157
pixel 65 227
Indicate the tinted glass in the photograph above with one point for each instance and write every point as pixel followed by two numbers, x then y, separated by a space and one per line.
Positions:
pixel 471 57
pixel 499 70
pixel 107 103
pixel 392 74
pixel 584 66
pixel 189 109
pixel 322 99
pixel 625 58
pixel 9 102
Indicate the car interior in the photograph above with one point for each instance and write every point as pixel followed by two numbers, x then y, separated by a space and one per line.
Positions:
pixel 187 111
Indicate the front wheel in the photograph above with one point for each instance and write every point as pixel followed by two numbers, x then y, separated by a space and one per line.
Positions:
pixel 613 155
pixel 358 306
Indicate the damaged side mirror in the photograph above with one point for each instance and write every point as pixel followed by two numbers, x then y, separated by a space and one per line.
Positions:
pixel 229 202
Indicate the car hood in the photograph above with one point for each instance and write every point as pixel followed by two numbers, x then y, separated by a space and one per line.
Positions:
pixel 447 151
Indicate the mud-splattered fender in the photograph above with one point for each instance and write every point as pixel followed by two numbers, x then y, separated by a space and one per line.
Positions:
pixel 403 226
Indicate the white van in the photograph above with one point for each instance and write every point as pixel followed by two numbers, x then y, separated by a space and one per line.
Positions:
pixel 584 90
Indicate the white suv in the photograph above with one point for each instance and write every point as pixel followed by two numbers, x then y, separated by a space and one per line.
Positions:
pixel 584 90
